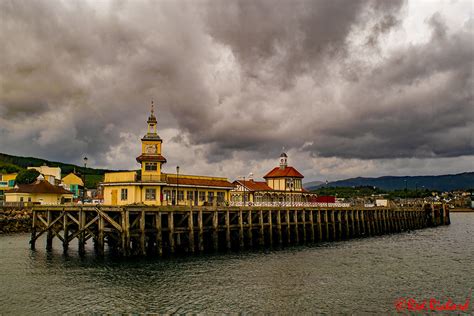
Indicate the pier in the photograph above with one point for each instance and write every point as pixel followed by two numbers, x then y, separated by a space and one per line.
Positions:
pixel 159 231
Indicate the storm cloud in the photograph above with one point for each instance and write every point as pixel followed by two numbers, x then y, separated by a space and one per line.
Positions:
pixel 235 82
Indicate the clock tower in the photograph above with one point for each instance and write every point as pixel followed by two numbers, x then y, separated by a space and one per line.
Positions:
pixel 151 158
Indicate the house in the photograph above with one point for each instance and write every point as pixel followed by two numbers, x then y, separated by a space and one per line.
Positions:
pixel 151 186
pixel 74 183
pixel 282 186
pixel 7 182
pixel 50 174
pixel 41 191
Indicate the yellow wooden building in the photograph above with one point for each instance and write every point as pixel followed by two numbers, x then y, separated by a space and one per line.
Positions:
pixel 150 186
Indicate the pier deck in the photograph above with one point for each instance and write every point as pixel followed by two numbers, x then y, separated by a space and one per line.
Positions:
pixel 142 230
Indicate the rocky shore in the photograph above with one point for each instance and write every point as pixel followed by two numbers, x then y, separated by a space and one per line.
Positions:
pixel 15 220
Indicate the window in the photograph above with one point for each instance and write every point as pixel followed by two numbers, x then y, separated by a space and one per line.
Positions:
pixel 21 199
pixel 180 195
pixel 29 199
pixel 220 196
pixel 11 183
pixel 151 166
pixel 166 195
pixel 189 196
pixel 150 194
pixel 202 196
pixel 210 196
pixel 124 194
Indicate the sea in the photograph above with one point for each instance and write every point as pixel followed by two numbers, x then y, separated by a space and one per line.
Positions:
pixel 374 275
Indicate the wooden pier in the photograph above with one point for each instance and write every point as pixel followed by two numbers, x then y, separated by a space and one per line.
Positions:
pixel 157 231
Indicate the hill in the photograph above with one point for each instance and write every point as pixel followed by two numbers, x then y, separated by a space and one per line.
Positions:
pixel 449 182
pixel 10 164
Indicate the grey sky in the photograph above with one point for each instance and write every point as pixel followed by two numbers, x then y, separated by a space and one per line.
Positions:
pixel 349 88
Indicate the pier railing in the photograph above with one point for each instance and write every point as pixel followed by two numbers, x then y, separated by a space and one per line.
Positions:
pixel 142 230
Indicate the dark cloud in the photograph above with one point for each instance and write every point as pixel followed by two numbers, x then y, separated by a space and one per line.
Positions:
pixel 232 81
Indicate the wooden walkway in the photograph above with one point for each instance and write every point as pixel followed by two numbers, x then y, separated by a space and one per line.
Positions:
pixel 142 230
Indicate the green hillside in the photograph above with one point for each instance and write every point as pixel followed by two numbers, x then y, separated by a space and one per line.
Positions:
pixel 449 182
pixel 10 164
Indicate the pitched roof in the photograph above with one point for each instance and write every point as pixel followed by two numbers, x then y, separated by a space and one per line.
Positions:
pixel 199 182
pixel 289 172
pixel 152 158
pixel 40 186
pixel 254 185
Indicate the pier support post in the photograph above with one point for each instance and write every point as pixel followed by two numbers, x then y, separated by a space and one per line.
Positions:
pixel 280 237
pixel 311 222
pixel 200 232
pixel 100 235
pixel 33 231
pixel 159 234
pixel 270 228
pixel 320 228
pixel 171 231
pixel 215 229
pixel 288 226
pixel 49 234
pixel 142 233
pixel 65 232
pixel 333 222
pixel 303 222
pixel 191 231
pixel 81 239
pixel 295 220
pixel 261 234
pixel 241 229
pixel 227 230
pixel 250 225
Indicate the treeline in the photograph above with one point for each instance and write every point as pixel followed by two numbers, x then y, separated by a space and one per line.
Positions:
pixel 359 191
pixel 14 164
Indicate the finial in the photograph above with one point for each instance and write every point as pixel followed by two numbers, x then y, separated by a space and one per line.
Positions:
pixel 152 107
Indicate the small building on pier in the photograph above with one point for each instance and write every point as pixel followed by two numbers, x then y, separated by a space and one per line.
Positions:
pixel 282 185
pixel 151 186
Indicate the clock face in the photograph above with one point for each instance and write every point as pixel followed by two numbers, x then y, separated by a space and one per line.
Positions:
pixel 150 149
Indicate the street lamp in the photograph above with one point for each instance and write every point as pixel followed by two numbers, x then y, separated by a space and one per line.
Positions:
pixel 243 198
pixel 84 180
pixel 177 185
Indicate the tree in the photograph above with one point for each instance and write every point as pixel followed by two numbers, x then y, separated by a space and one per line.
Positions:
pixel 27 176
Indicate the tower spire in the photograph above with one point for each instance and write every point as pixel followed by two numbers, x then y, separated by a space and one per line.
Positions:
pixel 152 107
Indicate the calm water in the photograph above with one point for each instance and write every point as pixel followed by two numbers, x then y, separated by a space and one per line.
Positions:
pixel 359 276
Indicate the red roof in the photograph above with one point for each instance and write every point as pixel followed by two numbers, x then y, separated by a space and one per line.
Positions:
pixel 152 158
pixel 288 172
pixel 200 182
pixel 254 185
pixel 40 186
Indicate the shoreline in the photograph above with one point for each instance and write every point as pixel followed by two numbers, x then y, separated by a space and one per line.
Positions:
pixel 15 221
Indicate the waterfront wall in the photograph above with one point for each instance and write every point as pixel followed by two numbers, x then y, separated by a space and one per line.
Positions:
pixel 142 230
pixel 15 220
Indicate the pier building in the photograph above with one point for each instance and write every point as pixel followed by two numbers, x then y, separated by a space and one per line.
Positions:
pixel 282 186
pixel 151 186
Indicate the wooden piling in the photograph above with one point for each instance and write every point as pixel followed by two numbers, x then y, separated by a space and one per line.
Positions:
pixel 241 229
pixel 215 229
pixel 227 230
pixel 191 231
pixel 159 234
